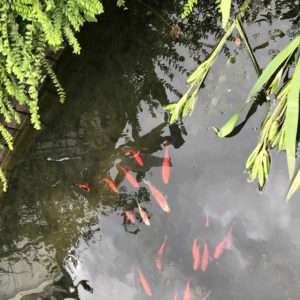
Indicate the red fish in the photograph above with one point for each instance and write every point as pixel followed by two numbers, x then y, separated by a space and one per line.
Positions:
pixel 226 243
pixel 206 296
pixel 84 186
pixel 196 254
pixel 131 178
pixel 137 157
pixel 220 249
pixel 111 184
pixel 158 196
pixel 145 283
pixel 160 253
pixel 130 216
pixel 166 166
pixel 187 291
pixel 143 214
pixel 206 223
pixel 205 257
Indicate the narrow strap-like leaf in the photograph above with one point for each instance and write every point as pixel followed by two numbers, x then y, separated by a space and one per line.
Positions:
pixel 262 80
pixel 291 120
pixel 225 9
pixel 295 185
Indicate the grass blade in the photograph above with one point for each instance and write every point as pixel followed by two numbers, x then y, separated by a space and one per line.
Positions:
pixel 269 71
pixel 295 185
pixel 291 119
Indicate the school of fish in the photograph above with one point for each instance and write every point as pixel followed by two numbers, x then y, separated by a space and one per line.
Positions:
pixel 201 260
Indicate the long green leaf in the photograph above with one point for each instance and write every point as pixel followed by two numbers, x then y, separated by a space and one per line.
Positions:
pixel 225 10
pixel 295 185
pixel 262 80
pixel 291 120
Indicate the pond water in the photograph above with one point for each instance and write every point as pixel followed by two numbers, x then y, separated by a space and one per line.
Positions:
pixel 61 242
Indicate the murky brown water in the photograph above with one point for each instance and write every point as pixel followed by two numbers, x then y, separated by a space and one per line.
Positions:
pixel 60 242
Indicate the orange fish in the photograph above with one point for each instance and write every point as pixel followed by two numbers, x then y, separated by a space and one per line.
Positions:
pixel 187 291
pixel 137 157
pixel 205 257
pixel 84 186
pixel 160 253
pixel 130 216
pixel 196 254
pixel 206 223
pixel 145 283
pixel 158 196
pixel 131 178
pixel 220 249
pixel 228 243
pixel 143 214
pixel 166 166
pixel 111 184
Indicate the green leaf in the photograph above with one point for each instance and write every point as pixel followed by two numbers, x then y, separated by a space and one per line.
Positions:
pixel 268 72
pixel 295 185
pixel 225 10
pixel 291 120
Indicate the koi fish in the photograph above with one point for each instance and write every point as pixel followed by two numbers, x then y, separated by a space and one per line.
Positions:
pixel 205 257
pixel 196 254
pixel 160 254
pixel 145 283
pixel 175 295
pixel 143 214
pixel 187 291
pixel 111 184
pixel 158 196
pixel 130 216
pixel 226 243
pixel 220 249
pixel 131 178
pixel 206 296
pixel 137 157
pixel 166 166
pixel 84 186
pixel 206 223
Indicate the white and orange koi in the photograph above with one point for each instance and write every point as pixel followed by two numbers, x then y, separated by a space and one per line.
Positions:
pixel 143 214
pixel 136 156
pixel 158 196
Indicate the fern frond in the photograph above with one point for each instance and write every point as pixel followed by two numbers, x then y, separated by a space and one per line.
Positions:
pixel 188 7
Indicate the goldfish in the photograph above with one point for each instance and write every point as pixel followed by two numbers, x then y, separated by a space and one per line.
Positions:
pixel 160 254
pixel 143 214
pixel 130 216
pixel 166 166
pixel 145 283
pixel 84 186
pixel 205 257
pixel 187 291
pixel 196 254
pixel 137 157
pixel 111 184
pixel 226 243
pixel 158 196
pixel 131 178
pixel 206 223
